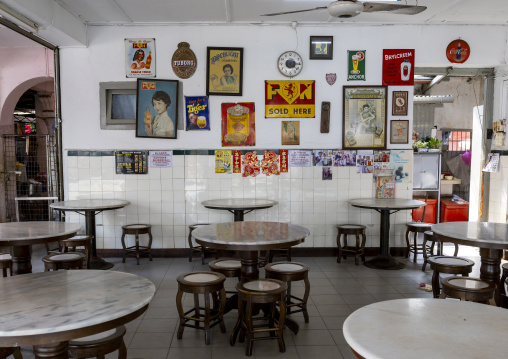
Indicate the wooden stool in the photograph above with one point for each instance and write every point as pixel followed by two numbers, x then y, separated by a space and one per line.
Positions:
pixel 501 291
pixel 78 241
pixel 359 249
pixel 260 291
pixel 195 248
pixel 69 260
pixel 291 272
pixel 286 253
pixel 429 236
pixel 136 230
pixel 6 264
pixel 6 352
pixel 469 289
pixel 98 345
pixel 415 228
pixel 230 267
pixel 206 283
pixel 449 265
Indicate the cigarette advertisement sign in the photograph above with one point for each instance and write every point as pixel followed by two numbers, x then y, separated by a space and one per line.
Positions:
pixel 140 57
pixel 356 65
pixel 285 99
pixel 398 67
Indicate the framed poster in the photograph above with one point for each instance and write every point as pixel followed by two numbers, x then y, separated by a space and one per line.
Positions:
pixel 238 124
pixel 290 133
pixel 398 67
pixel 197 113
pixel 321 48
pixel 399 103
pixel 292 99
pixel 140 57
pixel 356 65
pixel 364 117
pixel 224 71
pixel 399 131
pixel 156 108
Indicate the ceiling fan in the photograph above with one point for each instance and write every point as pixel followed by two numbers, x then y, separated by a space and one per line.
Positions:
pixel 350 8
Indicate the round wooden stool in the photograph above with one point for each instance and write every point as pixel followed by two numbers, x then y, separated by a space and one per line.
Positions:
pixel 135 250
pixel 6 352
pixel 449 265
pixel 359 249
pixel 98 345
pixel 415 228
pixel 291 272
pixel 230 267
pixel 195 248
pixel 501 290
pixel 78 241
pixel 69 260
pixel 429 236
pixel 469 289
pixel 260 291
pixel 208 284
pixel 6 264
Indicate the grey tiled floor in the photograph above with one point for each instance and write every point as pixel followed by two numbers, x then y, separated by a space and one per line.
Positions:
pixel 336 291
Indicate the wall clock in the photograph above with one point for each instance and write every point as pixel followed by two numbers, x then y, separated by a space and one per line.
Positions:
pixel 290 64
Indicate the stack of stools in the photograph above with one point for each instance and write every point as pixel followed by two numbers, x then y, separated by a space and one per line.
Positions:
pixel 359 249
pixel 78 241
pixel 502 298
pixel 6 263
pixel 291 272
pixel 193 248
pixel 429 236
pixel 135 250
pixel 415 228
pixel 268 292
pixel 69 260
pixel 210 285
pixel 469 289
pixel 449 265
pixel 98 345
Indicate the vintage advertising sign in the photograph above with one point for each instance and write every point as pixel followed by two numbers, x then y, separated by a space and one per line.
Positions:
pixel 140 57
pixel 197 113
pixel 398 67
pixel 237 161
pixel 399 103
pixel 356 65
pixel 184 61
pixel 458 51
pixel 331 78
pixel 222 161
pixel 161 158
pixel 238 124
pixel 284 160
pixel 290 99
pixel 131 162
pixel 290 133
pixel 224 71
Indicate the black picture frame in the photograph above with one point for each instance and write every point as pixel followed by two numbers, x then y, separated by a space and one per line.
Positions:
pixel 399 132
pixel 218 81
pixel 321 48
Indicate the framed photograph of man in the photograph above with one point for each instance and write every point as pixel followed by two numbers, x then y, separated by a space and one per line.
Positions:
pixel 224 71
pixel 364 117
pixel 321 47
pixel 156 108
pixel 399 132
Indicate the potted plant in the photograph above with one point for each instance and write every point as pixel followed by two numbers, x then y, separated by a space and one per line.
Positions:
pixel 434 144
pixel 420 146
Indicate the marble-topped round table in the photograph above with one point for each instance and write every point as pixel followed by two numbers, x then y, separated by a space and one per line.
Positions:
pixel 48 309
pixel 21 235
pixel 385 207
pixel 421 328
pixel 239 206
pixel 89 208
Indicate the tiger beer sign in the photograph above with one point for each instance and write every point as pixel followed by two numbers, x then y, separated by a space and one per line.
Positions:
pixel 290 99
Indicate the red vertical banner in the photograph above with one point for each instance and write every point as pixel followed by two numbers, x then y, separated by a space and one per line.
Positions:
pixel 398 67
pixel 283 160
pixel 237 161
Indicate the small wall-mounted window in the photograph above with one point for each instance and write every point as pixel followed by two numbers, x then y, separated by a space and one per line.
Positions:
pixel 118 105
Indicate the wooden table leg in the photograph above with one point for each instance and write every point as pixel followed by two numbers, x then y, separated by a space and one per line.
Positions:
pixel 55 351
pixel 490 269
pixel 21 259
pixel 249 260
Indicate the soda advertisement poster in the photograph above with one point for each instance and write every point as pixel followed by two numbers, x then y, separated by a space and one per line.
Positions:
pixel 356 65
pixel 238 124
pixel 140 57
pixel 398 67
pixel 224 71
pixel 285 99
pixel 197 113
pixel 458 51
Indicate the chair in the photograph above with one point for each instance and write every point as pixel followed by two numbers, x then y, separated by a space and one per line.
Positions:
pixel 195 248
pixel 69 260
pixel 429 236
pixel 269 292
pixel 6 352
pixel 135 250
pixel 469 289
pixel 359 249
pixel 501 290
pixel 207 284
pixel 98 345
pixel 289 272
pixel 6 264
pixel 415 228
pixel 449 265
pixel 78 241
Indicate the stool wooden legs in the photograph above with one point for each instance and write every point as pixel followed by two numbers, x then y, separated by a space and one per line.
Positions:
pixel 359 249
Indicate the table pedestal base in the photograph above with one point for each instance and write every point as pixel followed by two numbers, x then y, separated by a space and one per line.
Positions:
pixel 56 351
pixel 384 262
pixel 99 263
pixel 21 260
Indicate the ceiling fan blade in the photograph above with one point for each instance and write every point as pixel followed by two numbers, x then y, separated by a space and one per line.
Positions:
pixel 292 12
pixel 395 9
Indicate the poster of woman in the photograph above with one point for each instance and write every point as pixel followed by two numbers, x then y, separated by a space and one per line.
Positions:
pixel 157 108
pixel 140 57
pixel 224 71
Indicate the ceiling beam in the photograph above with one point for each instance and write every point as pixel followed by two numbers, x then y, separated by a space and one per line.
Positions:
pixel 434 81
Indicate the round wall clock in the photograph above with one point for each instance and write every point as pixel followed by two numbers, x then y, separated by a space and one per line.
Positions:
pixel 290 64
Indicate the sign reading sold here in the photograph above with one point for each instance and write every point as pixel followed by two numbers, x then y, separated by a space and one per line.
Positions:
pixel 290 99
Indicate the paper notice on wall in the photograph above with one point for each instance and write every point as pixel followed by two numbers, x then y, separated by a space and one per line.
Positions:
pixel 299 158
pixel 492 164
pixel 402 163
pixel 161 158
pixel 223 161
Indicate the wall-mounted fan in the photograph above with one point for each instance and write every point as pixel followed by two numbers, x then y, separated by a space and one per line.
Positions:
pixel 350 8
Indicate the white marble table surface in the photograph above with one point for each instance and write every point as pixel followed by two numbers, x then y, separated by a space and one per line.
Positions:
pixel 239 203
pixel 477 234
pixel 25 233
pixel 420 328
pixel 384 203
pixel 90 204
pixel 37 308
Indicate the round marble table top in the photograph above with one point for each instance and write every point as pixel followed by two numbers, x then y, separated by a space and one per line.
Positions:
pixel 90 204
pixel 26 233
pixel 250 236
pixel 380 203
pixel 476 234
pixel 427 328
pixel 59 305
pixel 239 203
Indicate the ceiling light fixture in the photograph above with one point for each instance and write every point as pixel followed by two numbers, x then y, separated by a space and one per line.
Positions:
pixel 17 16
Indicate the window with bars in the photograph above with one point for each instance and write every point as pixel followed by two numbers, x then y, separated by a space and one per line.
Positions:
pixel 457 140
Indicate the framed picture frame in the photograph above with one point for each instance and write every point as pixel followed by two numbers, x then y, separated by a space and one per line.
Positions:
pixel 364 117
pixel 321 48
pixel 224 71
pixel 399 132
pixel 157 108
pixel 399 103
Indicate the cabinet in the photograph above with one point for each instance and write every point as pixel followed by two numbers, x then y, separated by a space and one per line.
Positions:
pixel 427 177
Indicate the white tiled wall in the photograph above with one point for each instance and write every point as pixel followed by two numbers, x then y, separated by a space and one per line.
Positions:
pixel 498 197
pixel 170 199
